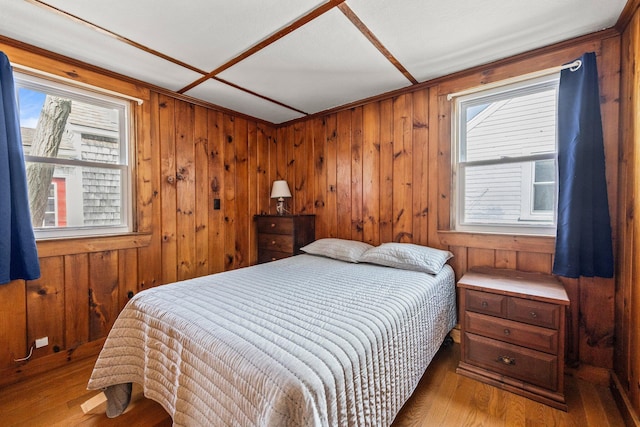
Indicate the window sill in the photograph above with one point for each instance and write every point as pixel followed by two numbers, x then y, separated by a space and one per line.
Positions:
pixel 512 242
pixel 79 245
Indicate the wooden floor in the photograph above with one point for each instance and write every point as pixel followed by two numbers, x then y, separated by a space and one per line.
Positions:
pixel 443 398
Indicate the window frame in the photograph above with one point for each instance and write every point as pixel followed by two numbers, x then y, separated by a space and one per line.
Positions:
pixel 124 166
pixel 460 164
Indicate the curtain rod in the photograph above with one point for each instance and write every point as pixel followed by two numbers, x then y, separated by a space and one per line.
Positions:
pixel 574 66
pixel 75 83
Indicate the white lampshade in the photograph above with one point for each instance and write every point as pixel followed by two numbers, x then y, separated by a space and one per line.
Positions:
pixel 280 189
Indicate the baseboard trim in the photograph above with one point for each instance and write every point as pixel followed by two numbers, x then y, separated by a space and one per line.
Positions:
pixel 43 364
pixel 624 404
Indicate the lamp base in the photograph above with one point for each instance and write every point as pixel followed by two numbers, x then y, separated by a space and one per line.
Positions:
pixel 280 206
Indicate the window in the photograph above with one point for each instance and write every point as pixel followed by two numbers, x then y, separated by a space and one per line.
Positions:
pixel 77 159
pixel 505 159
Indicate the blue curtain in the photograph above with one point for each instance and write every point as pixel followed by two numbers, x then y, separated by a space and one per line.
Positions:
pixel 583 241
pixel 18 252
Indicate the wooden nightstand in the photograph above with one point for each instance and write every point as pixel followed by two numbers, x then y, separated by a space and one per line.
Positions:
pixel 281 236
pixel 513 332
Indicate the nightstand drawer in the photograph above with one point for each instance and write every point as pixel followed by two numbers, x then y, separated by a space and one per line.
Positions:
pixel 513 332
pixel 483 302
pixel 268 256
pixel 275 225
pixel 530 336
pixel 276 242
pixel 530 366
pixel 534 312
pixel 280 236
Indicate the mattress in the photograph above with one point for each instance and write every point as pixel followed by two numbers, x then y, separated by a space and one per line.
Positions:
pixel 303 341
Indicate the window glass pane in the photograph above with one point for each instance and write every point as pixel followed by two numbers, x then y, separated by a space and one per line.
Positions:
pixel 90 196
pixel 543 195
pixel 510 127
pixel 55 126
pixel 492 194
pixel 545 171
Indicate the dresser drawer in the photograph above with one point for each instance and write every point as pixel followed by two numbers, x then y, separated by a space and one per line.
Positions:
pixel 517 362
pixel 530 336
pixel 534 312
pixel 483 302
pixel 276 242
pixel 275 225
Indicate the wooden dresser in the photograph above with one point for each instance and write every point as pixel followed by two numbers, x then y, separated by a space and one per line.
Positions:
pixel 281 236
pixel 513 332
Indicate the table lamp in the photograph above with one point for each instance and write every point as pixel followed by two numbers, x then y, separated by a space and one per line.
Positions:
pixel 279 191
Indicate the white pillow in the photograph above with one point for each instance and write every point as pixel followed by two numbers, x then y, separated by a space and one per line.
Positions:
pixel 345 250
pixel 407 256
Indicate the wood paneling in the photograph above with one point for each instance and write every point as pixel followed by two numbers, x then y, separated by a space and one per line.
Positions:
pixel 76 299
pixel 13 329
pixel 216 188
pixel 371 174
pixel 104 299
pixel 168 220
pixel 45 306
pixel 185 184
pixel 203 203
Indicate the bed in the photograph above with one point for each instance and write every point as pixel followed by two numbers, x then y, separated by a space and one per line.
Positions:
pixel 304 341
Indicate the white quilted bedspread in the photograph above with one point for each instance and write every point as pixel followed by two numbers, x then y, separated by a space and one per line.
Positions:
pixel 304 341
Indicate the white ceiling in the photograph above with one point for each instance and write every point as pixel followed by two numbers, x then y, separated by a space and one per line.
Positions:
pixel 321 64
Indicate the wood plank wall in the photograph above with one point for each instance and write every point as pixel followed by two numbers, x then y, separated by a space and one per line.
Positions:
pixel 206 155
pixel 376 172
pixel 381 172
pixel 627 307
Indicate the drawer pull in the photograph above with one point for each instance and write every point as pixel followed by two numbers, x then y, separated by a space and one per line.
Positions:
pixel 507 360
pixel 533 314
pixel 273 224
pixel 273 242
pixel 484 304
pixel 507 332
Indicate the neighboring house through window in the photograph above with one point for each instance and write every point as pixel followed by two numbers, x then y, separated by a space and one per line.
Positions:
pixel 51 213
pixel 56 211
pixel 77 158
pixel 505 159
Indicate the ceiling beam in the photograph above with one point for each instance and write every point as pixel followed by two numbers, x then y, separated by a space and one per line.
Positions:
pixel 320 10
pixel 351 15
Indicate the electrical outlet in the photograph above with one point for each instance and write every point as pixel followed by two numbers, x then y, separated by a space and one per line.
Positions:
pixel 42 342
